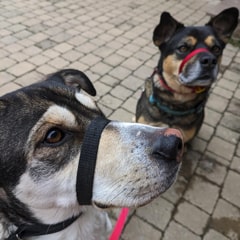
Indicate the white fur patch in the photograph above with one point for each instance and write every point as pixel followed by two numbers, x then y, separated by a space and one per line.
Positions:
pixel 85 100
pixel 59 115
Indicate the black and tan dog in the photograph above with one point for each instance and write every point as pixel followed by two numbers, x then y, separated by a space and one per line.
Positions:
pixel 50 132
pixel 176 93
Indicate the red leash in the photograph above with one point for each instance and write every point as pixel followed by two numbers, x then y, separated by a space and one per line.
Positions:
pixel 116 233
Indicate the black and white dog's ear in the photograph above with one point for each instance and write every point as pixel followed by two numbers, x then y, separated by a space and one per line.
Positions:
pixel 225 23
pixel 165 29
pixel 76 79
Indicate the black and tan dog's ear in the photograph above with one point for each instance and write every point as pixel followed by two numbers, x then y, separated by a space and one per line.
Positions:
pixel 165 29
pixel 76 79
pixel 225 23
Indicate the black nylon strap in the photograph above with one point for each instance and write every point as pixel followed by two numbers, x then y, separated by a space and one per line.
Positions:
pixel 24 231
pixel 87 162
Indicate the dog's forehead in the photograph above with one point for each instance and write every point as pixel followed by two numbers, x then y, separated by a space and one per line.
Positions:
pixel 194 35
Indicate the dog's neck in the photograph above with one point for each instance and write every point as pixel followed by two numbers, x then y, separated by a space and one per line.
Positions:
pixel 91 221
pixel 169 83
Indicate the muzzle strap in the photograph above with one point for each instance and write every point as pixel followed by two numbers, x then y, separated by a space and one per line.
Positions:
pixel 87 162
pixel 189 56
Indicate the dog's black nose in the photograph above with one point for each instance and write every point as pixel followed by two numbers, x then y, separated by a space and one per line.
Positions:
pixel 208 61
pixel 169 146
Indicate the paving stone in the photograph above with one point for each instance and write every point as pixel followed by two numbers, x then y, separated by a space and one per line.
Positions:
pixel 101 88
pixel 198 144
pixel 121 115
pixel 233 76
pixel 9 87
pixel 21 68
pixel 221 147
pixel 137 229
pixel 6 63
pixel 5 78
pixel 130 105
pixel 195 195
pixel 227 134
pixel 132 63
pixel 226 220
pixel 227 84
pixel 72 55
pixel 63 47
pixel 58 63
pixel 211 170
pixel 111 102
pixel 206 132
pixel 120 72
pixel 223 92
pixel 101 68
pixel 90 59
pixel 196 222
pixel 176 191
pixel 232 183
pixel 214 235
pixel 38 60
pixel 113 59
pixel 231 121
pixel 236 164
pixel 189 163
pixel 176 231
pixel 121 92
pixel 217 103
pixel 109 80
pixel 158 213
pixel 211 117
pixel 233 107
pixel 29 78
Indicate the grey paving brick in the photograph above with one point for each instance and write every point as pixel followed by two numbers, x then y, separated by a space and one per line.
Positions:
pixel 217 103
pixel 21 68
pixel 230 187
pixel 211 170
pixel 226 220
pixel 195 195
pixel 176 231
pixel 158 213
pixel 121 115
pixel 121 92
pixel 196 221
pixel 214 235
pixel 231 121
pixel 176 191
pixel 221 147
pixel 137 229
pixel 8 88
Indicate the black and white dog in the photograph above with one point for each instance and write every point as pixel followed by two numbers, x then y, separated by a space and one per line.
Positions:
pixel 42 134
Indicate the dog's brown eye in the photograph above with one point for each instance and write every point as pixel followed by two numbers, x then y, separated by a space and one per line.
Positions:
pixel 183 49
pixel 54 135
pixel 216 49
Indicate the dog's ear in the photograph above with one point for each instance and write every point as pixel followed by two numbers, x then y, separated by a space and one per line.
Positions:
pixel 75 79
pixel 225 23
pixel 165 29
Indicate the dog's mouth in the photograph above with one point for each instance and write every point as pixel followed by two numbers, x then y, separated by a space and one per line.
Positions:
pixel 205 80
pixel 102 206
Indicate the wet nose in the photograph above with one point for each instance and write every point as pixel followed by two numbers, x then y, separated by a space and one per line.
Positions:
pixel 169 145
pixel 208 61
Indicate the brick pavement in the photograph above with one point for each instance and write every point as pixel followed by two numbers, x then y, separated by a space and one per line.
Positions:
pixel 111 41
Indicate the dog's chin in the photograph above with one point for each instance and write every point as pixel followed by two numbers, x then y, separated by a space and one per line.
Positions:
pixel 143 197
pixel 201 81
